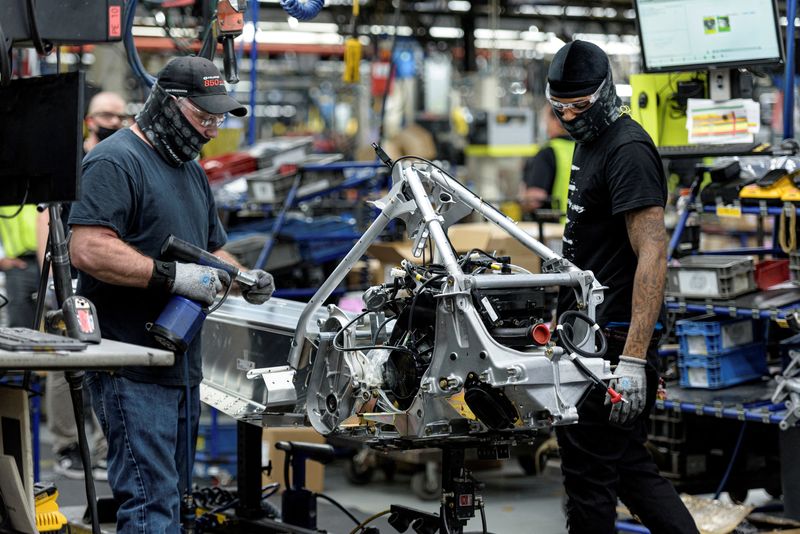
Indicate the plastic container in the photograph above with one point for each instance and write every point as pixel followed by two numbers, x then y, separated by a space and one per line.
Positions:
pixel 708 335
pixel 771 272
pixel 714 372
pixel 794 267
pixel 711 277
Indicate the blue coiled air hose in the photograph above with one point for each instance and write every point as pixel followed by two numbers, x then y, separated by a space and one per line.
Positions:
pixel 302 10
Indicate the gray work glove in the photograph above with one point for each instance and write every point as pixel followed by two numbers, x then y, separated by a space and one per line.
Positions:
pixel 198 283
pixel 262 290
pixel 629 381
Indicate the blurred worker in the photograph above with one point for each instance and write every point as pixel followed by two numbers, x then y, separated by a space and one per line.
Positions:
pixel 139 186
pixel 105 115
pixel 18 236
pixel 546 175
pixel 615 228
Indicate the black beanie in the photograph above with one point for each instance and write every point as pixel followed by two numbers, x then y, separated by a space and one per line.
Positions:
pixel 578 69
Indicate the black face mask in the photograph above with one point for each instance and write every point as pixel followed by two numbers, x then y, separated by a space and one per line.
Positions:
pixel 591 123
pixel 170 133
pixel 104 133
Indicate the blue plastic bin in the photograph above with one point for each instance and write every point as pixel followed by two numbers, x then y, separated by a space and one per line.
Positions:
pixel 710 335
pixel 722 370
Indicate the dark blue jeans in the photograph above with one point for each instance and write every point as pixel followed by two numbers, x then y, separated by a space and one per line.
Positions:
pixel 146 432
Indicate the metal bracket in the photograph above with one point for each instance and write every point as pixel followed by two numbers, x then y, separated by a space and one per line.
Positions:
pixel 279 382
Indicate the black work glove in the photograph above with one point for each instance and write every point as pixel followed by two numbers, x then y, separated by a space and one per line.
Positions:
pixel 261 291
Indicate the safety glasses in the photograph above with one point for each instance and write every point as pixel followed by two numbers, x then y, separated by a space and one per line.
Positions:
pixel 204 118
pixel 578 106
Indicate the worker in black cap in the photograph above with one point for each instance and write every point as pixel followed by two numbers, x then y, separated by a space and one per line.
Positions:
pixel 615 228
pixel 139 186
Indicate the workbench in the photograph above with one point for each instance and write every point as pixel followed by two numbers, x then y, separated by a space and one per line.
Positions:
pixel 106 355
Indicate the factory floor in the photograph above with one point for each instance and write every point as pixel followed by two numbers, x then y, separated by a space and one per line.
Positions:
pixel 515 502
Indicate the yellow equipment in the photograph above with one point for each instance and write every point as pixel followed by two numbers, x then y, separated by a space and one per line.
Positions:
pixel 352 52
pixel 48 517
pixel 774 187
pixel 658 104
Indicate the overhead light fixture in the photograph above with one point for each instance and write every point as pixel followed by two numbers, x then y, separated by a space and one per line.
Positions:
pixel 442 32
pixel 459 5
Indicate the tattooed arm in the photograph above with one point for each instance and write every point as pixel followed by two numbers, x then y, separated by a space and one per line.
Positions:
pixel 648 238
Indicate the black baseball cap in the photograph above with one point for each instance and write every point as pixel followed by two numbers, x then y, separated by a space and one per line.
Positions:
pixel 200 80
pixel 578 69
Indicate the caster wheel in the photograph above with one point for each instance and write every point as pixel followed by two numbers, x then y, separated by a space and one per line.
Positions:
pixel 425 487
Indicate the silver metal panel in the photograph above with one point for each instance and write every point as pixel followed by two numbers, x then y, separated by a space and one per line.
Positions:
pixel 240 337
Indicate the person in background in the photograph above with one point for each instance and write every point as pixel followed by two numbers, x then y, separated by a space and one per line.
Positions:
pixel 615 228
pixel 546 175
pixel 18 236
pixel 105 115
pixel 138 187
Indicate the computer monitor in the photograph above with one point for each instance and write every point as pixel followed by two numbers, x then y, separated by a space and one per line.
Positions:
pixel 681 35
pixel 41 139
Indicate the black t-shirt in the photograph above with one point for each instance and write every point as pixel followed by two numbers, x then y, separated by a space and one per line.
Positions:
pixel 127 187
pixel 540 170
pixel 618 172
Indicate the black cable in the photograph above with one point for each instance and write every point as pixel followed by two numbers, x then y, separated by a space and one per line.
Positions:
pixel 22 204
pixel 5 59
pixel 734 455
pixel 339 506
pixel 566 337
pixel 414 300
pixel 466 257
pixel 340 348
pixel 377 332
pixel 483 520
pixel 223 299
pixel 42 47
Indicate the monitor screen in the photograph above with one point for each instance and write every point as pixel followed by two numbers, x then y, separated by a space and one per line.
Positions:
pixel 41 139
pixel 681 35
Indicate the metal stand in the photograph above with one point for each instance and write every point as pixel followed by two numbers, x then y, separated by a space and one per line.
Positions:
pixel 58 253
pixel 458 505
pixel 248 455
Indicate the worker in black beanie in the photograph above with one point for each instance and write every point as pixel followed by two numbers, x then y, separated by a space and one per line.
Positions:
pixel 615 228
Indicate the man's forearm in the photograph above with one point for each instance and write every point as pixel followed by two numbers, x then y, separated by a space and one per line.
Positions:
pixel 648 238
pixel 109 259
pixel 648 296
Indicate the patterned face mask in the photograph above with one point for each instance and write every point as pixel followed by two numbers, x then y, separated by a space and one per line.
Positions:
pixel 589 124
pixel 170 133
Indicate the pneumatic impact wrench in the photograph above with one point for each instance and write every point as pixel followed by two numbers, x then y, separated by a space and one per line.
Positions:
pixel 182 318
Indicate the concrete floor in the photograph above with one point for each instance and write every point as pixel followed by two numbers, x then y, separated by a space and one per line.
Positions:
pixel 515 502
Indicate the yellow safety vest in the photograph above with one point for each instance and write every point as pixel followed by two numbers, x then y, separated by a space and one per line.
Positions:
pixel 18 234
pixel 563 150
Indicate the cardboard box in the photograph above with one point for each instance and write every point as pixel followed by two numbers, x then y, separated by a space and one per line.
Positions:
pixel 464 237
pixel 315 471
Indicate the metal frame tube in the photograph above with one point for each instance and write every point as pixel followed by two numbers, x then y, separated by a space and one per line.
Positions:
pixel 332 282
pixel 492 214
pixel 433 222
pixel 493 281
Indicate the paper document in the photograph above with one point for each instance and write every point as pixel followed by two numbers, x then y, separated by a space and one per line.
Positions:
pixel 732 121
